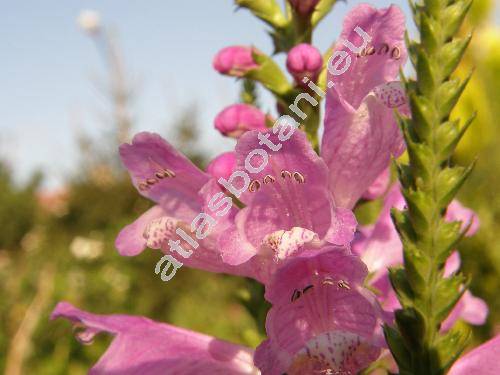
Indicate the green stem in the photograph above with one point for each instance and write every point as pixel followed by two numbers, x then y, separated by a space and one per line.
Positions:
pixel 429 183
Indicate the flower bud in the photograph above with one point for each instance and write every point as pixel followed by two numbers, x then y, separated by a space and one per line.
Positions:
pixel 223 165
pixel 234 61
pixel 304 7
pixel 239 118
pixel 304 60
pixel 89 21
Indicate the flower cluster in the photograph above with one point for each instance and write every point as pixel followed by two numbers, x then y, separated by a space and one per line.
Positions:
pixel 294 229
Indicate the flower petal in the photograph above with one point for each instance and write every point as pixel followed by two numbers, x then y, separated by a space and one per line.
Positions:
pixel 130 241
pixel 383 57
pixel 322 318
pixel 144 346
pixel 159 171
pixel 482 360
pixel 358 145
pixel 379 186
pixel 290 190
pixel 361 133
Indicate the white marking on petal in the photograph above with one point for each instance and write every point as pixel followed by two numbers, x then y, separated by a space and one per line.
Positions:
pixel 339 352
pixel 160 230
pixel 285 243
pixel 391 94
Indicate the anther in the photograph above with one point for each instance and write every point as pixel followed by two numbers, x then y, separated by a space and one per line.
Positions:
pixel 143 186
pixel 383 49
pixel 328 281
pixel 285 174
pixel 307 288
pixel 343 284
pixel 370 51
pixel 296 294
pixel 396 53
pixel 268 179
pixel 151 181
pixel 299 177
pixel 254 186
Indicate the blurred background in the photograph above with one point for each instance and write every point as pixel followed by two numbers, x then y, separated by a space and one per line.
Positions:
pixel 76 83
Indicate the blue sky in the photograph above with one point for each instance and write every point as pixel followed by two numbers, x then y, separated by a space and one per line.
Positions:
pixel 48 69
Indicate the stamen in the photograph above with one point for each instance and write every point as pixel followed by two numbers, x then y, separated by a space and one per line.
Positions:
pixel 384 49
pixel 396 53
pixel 296 295
pixel 299 177
pixel 343 284
pixel 307 288
pixel 151 181
pixel 143 186
pixel 268 179
pixel 285 174
pixel 254 186
pixel 370 51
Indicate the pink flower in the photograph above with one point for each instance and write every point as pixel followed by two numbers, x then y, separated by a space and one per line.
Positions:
pixel 380 247
pixel 304 7
pixel 304 60
pixel 222 166
pixel 300 199
pixel 481 360
pixel 322 318
pixel 379 186
pixel 361 133
pixel 236 119
pixel 288 205
pixel 142 346
pixel 234 60
pixel 180 191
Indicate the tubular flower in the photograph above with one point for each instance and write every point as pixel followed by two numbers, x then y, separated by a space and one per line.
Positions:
pixel 482 360
pixel 234 61
pixel 380 247
pixel 142 346
pixel 237 119
pixel 288 205
pixel 361 133
pixel 180 191
pixel 322 319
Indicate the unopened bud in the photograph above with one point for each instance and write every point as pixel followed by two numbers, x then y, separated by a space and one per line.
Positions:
pixel 234 61
pixel 304 7
pixel 238 119
pixel 304 60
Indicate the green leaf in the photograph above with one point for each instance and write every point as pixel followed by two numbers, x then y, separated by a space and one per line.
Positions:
pixel 412 326
pixel 422 115
pixel 451 54
pixel 267 10
pixel 448 135
pixel 449 347
pixel 454 14
pixel 449 181
pixel 397 347
pixel 447 293
pixel 322 9
pixel 448 94
pixel 401 285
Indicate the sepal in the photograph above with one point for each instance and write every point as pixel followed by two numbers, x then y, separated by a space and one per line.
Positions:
pixel 451 54
pixel 268 11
